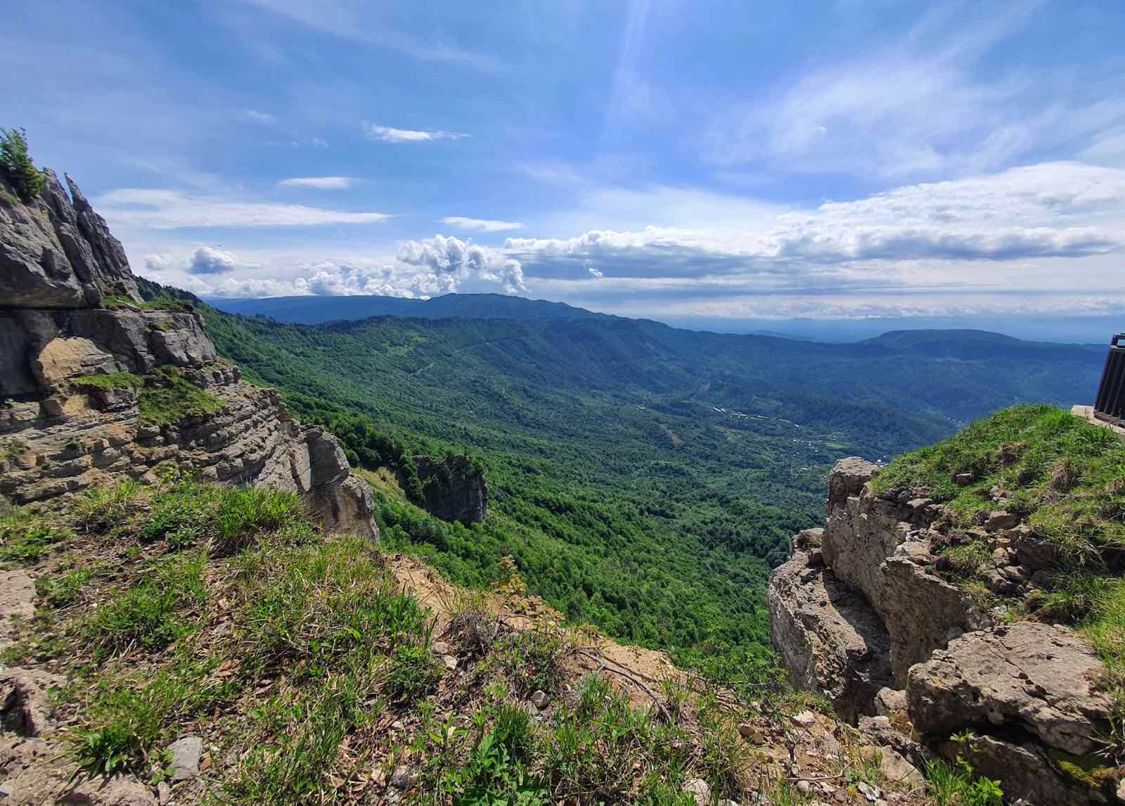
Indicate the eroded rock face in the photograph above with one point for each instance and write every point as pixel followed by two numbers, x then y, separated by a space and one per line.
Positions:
pixel 830 639
pixel 66 312
pixel 1038 678
pixel 861 602
pixel 453 489
pixel 56 252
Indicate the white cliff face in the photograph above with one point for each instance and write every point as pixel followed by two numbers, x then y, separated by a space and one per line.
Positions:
pixel 69 308
pixel 860 615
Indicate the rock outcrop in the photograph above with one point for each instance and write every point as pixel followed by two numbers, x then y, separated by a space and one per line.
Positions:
pixel 453 489
pixel 79 352
pixel 861 614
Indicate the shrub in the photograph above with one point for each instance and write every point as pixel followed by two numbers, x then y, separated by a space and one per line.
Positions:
pixel 413 673
pixel 15 162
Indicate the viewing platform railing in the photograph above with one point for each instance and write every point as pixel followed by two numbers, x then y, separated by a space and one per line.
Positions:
pixel 1110 405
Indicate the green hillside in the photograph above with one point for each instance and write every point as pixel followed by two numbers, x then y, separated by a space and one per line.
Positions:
pixel 644 478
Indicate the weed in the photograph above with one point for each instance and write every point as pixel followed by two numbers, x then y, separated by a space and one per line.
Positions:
pixel 955 785
pixel 27 536
pixel 108 507
pixel 148 614
pixel 62 591
pixel 413 672
pixel 109 380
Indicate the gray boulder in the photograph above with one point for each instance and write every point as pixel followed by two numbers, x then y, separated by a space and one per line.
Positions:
pixel 1038 678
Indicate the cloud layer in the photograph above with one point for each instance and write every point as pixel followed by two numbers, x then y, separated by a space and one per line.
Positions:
pixel 387 134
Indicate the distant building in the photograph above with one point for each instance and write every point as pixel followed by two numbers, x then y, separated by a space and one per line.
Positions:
pixel 1110 405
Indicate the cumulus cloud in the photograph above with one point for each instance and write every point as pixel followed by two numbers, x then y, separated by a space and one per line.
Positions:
pixel 174 209
pixel 318 182
pixel 386 134
pixel 451 263
pixel 205 260
pixel 482 224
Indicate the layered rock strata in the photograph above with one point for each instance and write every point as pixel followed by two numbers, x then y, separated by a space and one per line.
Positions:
pixel 78 349
pixel 861 614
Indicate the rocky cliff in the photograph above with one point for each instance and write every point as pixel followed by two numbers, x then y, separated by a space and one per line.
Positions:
pixel 453 489
pixel 862 614
pixel 95 384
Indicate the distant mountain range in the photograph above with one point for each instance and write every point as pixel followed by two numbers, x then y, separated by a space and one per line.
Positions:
pixel 318 310
pixel 309 310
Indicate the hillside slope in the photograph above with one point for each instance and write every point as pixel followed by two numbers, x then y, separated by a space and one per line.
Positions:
pixel 188 643
pixel 644 478
pixel 974 593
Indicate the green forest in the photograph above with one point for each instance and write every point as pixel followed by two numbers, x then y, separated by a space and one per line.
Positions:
pixel 644 479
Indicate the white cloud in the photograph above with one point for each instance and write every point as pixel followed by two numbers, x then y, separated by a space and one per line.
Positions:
pixel 257 116
pixel 453 264
pixel 204 260
pixel 482 224
pixel 1047 210
pixel 318 182
pixel 173 209
pixel 386 134
pixel 365 23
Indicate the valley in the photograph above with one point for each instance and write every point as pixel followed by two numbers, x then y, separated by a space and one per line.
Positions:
pixel 645 479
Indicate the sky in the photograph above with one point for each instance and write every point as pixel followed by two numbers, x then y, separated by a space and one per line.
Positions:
pixel 712 161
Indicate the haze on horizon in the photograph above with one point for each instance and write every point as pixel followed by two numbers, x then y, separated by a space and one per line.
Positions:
pixel 718 163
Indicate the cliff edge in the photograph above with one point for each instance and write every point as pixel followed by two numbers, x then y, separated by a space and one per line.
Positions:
pixel 96 385
pixel 930 615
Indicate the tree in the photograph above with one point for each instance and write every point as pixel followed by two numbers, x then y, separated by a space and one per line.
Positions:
pixel 17 166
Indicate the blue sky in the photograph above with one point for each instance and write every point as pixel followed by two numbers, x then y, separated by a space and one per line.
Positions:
pixel 706 161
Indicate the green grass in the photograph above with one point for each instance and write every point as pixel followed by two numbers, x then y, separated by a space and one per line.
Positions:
pixel 168 397
pixel 150 614
pixel 110 380
pixel 27 536
pixel 955 785
pixel 1066 477
pixel 1065 474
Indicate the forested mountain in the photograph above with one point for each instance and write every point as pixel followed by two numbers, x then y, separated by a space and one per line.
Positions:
pixel 313 310
pixel 644 478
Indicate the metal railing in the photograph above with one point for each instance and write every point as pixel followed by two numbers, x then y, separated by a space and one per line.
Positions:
pixel 1110 405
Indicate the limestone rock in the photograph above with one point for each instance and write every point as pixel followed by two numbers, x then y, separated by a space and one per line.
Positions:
pixel 1024 770
pixel 1035 677
pixel 829 638
pixel 185 754
pixel 123 791
pixel 24 705
pixel 897 769
pixel 56 252
pixel 700 790
pixel 847 479
pixel 17 602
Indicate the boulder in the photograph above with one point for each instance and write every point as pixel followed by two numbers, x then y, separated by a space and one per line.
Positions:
pixel 1037 678
pixel 847 479
pixel 1025 771
pixel 185 754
